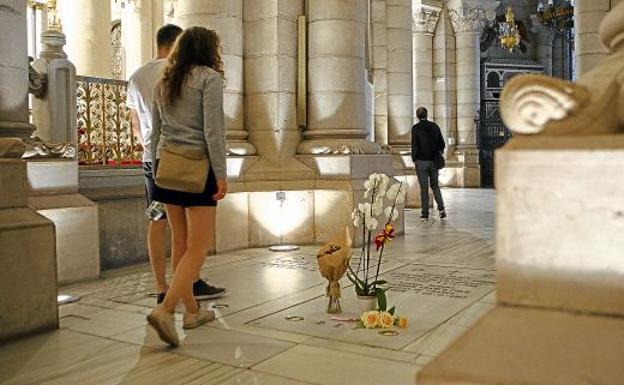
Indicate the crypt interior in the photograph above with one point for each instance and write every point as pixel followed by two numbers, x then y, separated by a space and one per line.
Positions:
pixel 521 284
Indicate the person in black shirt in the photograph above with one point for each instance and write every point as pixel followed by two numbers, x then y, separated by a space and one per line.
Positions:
pixel 427 143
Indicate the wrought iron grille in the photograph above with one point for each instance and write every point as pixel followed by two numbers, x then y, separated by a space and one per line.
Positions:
pixel 104 131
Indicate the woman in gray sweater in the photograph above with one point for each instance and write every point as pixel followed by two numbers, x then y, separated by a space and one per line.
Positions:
pixel 188 112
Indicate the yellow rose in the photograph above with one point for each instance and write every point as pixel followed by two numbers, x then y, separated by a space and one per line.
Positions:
pixel 386 320
pixel 402 322
pixel 370 319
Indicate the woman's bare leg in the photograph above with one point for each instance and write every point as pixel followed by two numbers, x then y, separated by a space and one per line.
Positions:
pixel 179 234
pixel 199 225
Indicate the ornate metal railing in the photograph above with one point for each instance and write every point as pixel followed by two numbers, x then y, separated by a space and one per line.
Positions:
pixel 104 131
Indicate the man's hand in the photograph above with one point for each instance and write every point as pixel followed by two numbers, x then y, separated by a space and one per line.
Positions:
pixel 221 190
pixel 135 122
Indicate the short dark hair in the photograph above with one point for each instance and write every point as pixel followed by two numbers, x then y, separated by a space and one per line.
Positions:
pixel 421 113
pixel 167 35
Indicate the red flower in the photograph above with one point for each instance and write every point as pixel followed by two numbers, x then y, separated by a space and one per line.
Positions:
pixel 386 235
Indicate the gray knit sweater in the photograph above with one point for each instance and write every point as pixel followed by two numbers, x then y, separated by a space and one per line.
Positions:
pixel 196 119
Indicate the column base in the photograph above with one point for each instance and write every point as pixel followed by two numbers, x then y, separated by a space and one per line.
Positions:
pixel 338 147
pixel 240 148
pixel 28 280
pixel 19 130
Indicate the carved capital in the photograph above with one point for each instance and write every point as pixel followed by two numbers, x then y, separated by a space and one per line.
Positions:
pixel 425 18
pixel 471 15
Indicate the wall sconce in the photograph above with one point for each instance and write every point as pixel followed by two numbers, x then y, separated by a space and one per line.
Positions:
pixel 280 196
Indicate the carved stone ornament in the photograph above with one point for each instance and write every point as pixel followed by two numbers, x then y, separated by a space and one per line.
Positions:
pixel 471 15
pixel 426 19
pixel 36 81
pixel 36 148
pixel 362 147
pixel 536 104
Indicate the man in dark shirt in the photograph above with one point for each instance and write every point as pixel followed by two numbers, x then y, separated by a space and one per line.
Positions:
pixel 427 143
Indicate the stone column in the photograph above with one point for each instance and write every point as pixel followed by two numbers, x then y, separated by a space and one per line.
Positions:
pixel 400 92
pixel 425 23
pixel 380 60
pixel 589 50
pixel 469 17
pixel 225 17
pixel 137 34
pixel 87 25
pixel 26 238
pixel 337 121
pixel 14 71
pixel 544 40
pixel 444 74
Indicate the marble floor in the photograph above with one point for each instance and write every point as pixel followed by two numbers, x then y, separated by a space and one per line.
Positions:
pixel 441 275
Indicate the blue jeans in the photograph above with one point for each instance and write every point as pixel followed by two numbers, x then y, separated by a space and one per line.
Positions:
pixel 428 176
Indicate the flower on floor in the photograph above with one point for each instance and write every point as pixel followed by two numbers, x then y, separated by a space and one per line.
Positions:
pixel 370 319
pixel 386 320
pixel 401 322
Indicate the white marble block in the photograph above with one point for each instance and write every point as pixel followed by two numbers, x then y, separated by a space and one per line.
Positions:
pixel 560 220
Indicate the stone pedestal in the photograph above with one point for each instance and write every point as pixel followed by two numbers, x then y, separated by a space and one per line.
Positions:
pixel 27 252
pixel 53 186
pixel 560 318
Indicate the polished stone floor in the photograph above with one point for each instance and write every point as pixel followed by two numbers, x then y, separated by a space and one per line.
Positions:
pixel 441 275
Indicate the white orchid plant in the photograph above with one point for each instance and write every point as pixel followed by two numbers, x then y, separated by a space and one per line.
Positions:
pixel 382 202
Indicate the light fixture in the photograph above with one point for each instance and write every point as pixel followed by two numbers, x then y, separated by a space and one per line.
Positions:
pixel 509 34
pixel 560 17
pixel 64 299
pixel 280 196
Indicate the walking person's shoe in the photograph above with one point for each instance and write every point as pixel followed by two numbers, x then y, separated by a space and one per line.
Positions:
pixel 193 320
pixel 160 297
pixel 161 320
pixel 202 290
pixel 442 214
pixel 424 216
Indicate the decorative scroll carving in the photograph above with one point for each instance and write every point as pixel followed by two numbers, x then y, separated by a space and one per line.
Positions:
pixel 426 19
pixel 37 148
pixel 471 15
pixel 36 81
pixel 536 104
pixel 104 131
pixel 116 50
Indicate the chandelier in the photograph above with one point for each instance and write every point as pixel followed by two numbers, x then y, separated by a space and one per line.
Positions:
pixel 560 17
pixel 509 34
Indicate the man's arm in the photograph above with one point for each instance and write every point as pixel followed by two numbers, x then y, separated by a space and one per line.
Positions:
pixel 135 122
pixel 441 142
pixel 415 144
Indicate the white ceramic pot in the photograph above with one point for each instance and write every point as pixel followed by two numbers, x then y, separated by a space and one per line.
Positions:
pixel 367 303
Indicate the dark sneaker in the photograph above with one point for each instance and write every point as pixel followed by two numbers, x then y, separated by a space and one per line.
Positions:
pixel 424 216
pixel 202 290
pixel 160 298
pixel 442 214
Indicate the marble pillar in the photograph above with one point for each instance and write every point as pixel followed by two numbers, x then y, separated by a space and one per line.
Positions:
pixel 225 17
pixel 271 73
pixel 544 40
pixel 380 70
pixel 14 72
pixel 425 22
pixel 137 34
pixel 400 74
pixel 87 25
pixel 445 80
pixel 27 246
pixel 589 50
pixel 469 17
pixel 337 79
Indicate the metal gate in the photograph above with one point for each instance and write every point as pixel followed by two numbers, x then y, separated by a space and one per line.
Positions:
pixel 492 132
pixel 492 135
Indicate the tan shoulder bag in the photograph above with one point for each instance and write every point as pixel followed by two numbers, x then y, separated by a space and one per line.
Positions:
pixel 181 168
